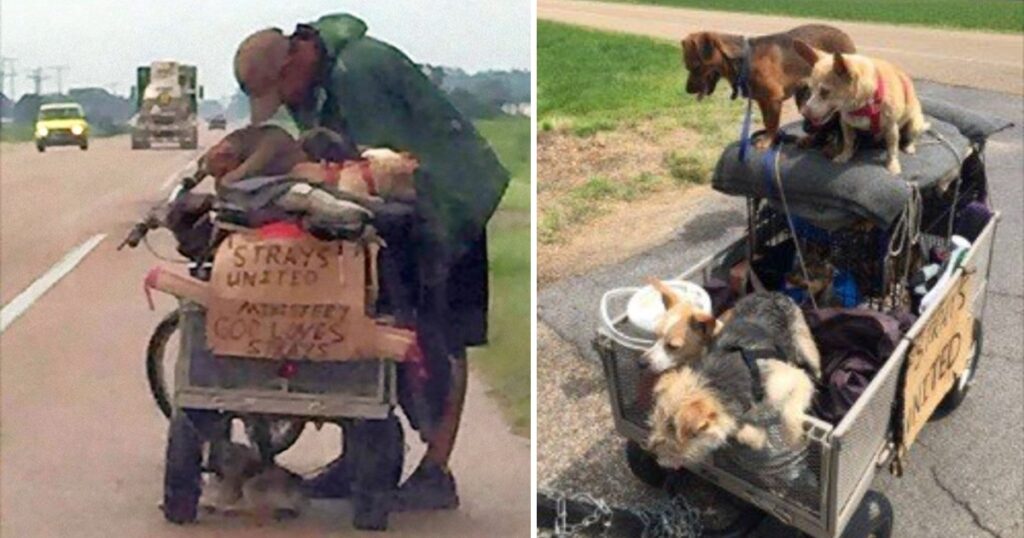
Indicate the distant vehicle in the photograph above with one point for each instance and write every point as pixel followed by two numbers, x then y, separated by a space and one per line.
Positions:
pixel 167 96
pixel 218 122
pixel 61 124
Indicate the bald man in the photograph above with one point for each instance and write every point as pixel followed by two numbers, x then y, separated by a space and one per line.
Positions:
pixel 331 74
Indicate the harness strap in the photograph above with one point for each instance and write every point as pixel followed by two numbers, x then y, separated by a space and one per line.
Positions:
pixel 750 357
pixel 367 174
pixel 873 110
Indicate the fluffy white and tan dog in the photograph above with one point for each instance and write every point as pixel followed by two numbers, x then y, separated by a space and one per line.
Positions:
pixel 869 95
pixel 764 356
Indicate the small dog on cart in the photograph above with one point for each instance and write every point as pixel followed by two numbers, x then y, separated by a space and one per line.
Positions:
pixel 763 354
pixel 869 95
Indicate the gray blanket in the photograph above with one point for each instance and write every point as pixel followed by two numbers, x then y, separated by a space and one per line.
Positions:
pixel 835 195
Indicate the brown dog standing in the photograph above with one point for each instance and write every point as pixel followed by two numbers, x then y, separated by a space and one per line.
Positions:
pixel 776 71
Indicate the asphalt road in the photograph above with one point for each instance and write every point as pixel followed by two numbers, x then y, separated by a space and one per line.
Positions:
pixel 965 476
pixel 960 58
pixel 82 444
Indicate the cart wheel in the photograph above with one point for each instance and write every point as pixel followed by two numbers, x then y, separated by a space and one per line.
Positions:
pixel 378 450
pixel 722 514
pixel 644 466
pixel 873 518
pixel 182 470
pixel 958 393
pixel 155 352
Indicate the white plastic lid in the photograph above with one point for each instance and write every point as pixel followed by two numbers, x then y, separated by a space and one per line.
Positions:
pixel 645 307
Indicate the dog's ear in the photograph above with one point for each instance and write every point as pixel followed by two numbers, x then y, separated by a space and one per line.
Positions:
pixel 689 46
pixel 706 45
pixel 668 295
pixel 806 51
pixel 730 51
pixel 704 324
pixel 695 417
pixel 840 67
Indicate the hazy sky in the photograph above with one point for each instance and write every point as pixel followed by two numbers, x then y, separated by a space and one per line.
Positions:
pixel 104 40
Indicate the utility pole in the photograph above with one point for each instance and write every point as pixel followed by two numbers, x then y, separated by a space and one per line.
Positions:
pixel 10 74
pixel 59 70
pixel 37 77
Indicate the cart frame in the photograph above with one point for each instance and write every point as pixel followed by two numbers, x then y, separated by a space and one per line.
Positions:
pixel 848 454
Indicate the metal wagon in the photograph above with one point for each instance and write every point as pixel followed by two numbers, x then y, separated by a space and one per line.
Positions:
pixel 842 459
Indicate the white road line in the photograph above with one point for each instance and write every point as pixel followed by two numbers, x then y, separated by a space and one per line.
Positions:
pixel 174 177
pixel 25 299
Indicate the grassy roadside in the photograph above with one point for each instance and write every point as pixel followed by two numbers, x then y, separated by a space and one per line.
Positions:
pixel 619 90
pixel 993 15
pixel 505 362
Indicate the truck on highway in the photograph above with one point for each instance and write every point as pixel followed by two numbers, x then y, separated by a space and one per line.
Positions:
pixel 166 95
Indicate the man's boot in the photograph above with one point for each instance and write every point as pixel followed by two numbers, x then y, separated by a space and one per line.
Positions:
pixel 432 486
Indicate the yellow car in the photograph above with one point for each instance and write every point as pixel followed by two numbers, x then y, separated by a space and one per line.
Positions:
pixel 61 124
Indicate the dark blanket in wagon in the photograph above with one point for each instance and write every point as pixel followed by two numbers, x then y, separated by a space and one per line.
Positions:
pixel 836 195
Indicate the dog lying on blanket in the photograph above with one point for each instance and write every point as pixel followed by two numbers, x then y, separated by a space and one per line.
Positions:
pixel 762 356
pixel 776 71
pixel 319 156
pixel 869 95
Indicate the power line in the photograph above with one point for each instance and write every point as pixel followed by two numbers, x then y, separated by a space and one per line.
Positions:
pixel 9 74
pixel 37 77
pixel 59 70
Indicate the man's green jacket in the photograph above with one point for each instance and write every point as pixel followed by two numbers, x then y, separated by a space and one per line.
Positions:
pixel 383 99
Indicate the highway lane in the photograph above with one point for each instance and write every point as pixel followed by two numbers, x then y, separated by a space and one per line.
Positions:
pixel 81 452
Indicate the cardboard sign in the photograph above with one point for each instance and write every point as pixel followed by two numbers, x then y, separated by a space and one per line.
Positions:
pixel 938 355
pixel 296 298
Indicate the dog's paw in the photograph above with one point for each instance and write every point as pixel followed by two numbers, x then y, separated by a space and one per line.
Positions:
pixel 762 142
pixel 894 167
pixel 843 157
pixel 910 149
pixel 752 436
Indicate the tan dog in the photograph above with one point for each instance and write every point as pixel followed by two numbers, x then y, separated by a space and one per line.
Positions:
pixel 776 72
pixel 869 95
pixel 244 484
pixel 683 332
pixel 380 173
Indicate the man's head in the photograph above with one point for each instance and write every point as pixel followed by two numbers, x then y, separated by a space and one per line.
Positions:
pixel 272 68
pixel 258 64
pixel 303 65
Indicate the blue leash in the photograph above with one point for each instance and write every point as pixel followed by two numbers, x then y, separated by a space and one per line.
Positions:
pixel 742 87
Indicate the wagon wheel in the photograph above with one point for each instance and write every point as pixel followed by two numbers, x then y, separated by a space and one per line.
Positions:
pixel 644 466
pixel 873 518
pixel 272 436
pixel 182 469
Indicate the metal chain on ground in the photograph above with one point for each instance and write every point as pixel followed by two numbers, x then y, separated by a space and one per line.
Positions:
pixel 670 518
pixel 665 518
pixel 602 514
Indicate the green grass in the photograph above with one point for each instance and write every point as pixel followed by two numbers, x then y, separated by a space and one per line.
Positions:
pixel 589 80
pixel 997 15
pixel 16 132
pixel 585 202
pixel 505 361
